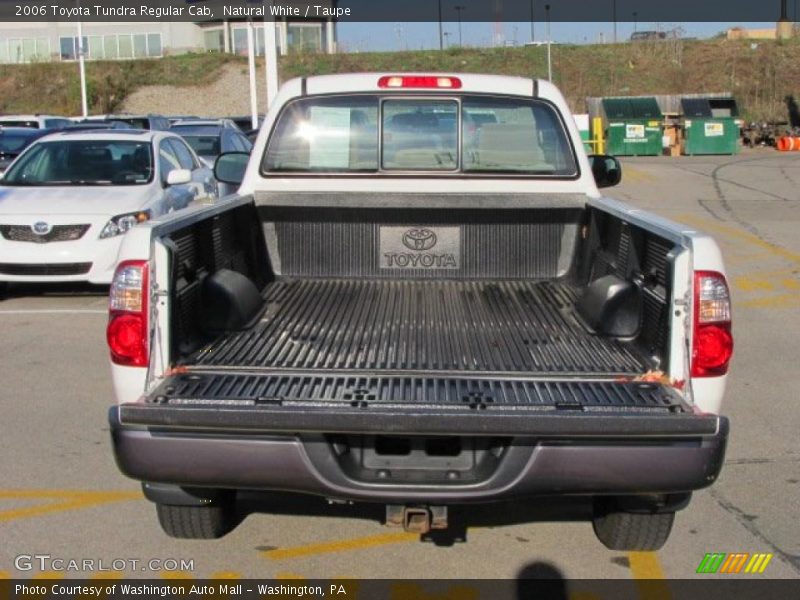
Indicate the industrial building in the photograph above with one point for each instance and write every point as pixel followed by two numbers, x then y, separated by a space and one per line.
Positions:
pixel 24 42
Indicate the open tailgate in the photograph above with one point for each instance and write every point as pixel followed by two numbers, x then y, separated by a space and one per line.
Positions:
pixel 407 404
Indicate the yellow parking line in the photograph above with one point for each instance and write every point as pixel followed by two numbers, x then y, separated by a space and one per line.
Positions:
pixel 71 500
pixel 779 301
pixel 740 235
pixel 631 174
pixel 649 576
pixel 341 545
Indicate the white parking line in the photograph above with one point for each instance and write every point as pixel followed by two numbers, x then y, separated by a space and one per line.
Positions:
pixel 46 311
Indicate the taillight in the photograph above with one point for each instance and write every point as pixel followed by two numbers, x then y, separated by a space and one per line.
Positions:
pixel 127 333
pixel 419 82
pixel 712 342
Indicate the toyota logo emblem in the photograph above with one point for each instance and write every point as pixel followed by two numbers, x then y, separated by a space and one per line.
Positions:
pixel 419 239
pixel 41 228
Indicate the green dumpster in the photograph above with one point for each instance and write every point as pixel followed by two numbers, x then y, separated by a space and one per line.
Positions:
pixel 706 132
pixel 634 126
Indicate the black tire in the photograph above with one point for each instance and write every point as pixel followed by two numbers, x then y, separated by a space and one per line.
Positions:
pixel 619 530
pixel 196 522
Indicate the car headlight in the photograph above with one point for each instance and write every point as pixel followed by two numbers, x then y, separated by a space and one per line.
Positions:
pixel 122 223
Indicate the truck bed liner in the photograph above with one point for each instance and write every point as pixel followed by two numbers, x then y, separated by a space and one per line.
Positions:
pixel 477 327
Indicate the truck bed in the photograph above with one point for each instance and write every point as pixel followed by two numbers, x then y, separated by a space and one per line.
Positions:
pixel 484 328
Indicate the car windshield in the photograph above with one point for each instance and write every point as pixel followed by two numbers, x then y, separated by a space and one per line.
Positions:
pixel 83 162
pixel 204 145
pixel 14 143
pixel 469 134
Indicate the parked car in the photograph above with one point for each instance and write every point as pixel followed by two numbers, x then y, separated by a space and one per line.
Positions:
pixel 35 121
pixel 175 118
pixel 396 309
pixel 225 123
pixel 151 122
pixel 252 135
pixel 89 124
pixel 209 141
pixel 69 197
pixel 245 122
pixel 13 140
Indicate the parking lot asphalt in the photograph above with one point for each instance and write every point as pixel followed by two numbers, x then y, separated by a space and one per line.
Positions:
pixel 62 495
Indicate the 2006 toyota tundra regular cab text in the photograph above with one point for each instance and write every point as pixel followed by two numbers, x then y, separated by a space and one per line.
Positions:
pixel 420 298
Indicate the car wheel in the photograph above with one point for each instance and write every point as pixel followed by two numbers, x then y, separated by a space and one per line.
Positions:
pixel 619 530
pixel 197 522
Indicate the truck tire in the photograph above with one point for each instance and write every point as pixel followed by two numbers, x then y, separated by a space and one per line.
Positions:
pixel 620 530
pixel 196 522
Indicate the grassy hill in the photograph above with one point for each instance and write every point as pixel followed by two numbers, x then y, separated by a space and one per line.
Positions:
pixel 760 75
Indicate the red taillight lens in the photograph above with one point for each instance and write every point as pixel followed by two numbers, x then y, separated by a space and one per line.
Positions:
pixel 419 82
pixel 127 332
pixel 126 340
pixel 712 342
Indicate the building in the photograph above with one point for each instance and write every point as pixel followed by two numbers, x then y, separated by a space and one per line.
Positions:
pixel 24 42
pixel 782 30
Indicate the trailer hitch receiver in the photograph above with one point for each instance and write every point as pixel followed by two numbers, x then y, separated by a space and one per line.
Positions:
pixel 416 519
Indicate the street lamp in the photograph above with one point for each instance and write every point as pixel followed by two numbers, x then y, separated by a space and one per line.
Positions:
pixel 532 36
pixel 549 61
pixel 82 66
pixel 614 18
pixel 441 35
pixel 635 22
pixel 446 35
pixel 458 9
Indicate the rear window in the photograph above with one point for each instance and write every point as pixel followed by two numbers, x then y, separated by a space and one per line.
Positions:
pixel 20 123
pixel 470 134
pixel 14 143
pixel 204 145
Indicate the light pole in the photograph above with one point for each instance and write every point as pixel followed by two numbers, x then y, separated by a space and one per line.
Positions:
pixel 441 35
pixel 82 68
pixel 458 9
pixel 532 32
pixel 270 59
pixel 251 70
pixel 614 18
pixel 549 61
pixel 446 35
pixel 635 22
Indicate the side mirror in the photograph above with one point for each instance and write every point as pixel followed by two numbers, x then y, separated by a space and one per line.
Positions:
pixel 606 170
pixel 179 177
pixel 230 167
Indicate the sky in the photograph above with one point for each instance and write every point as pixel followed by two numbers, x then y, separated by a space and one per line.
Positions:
pixel 369 37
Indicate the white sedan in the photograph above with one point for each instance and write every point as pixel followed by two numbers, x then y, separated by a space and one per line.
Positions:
pixel 67 200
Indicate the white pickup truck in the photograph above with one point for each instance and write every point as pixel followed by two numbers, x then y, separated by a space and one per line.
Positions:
pixel 419 298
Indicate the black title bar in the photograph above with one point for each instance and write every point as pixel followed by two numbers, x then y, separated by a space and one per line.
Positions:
pixel 507 11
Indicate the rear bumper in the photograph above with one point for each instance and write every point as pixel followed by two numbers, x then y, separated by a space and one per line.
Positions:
pixel 551 463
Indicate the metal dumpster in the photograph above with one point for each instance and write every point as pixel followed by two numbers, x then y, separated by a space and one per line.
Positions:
pixel 708 127
pixel 634 126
